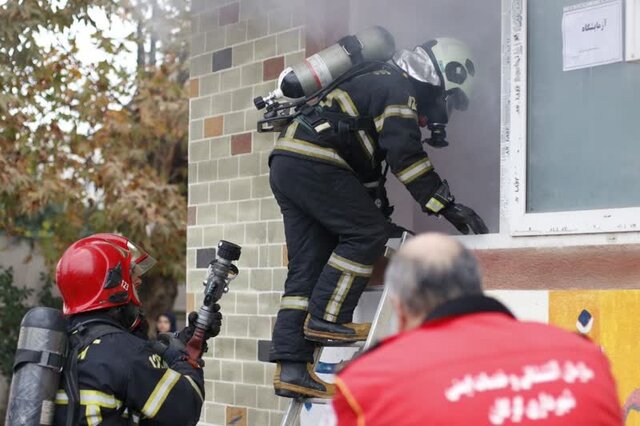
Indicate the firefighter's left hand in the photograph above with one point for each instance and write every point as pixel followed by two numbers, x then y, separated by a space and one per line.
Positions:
pixel 463 218
pixel 212 331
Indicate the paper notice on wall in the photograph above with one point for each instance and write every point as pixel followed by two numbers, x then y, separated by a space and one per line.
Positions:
pixel 632 29
pixel 592 34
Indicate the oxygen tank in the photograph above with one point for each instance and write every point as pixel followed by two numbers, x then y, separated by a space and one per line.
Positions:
pixel 319 70
pixel 37 368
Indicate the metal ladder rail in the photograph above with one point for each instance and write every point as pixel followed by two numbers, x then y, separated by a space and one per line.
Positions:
pixel 382 316
pixel 292 414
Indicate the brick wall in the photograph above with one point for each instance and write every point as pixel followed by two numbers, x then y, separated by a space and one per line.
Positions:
pixel 238 48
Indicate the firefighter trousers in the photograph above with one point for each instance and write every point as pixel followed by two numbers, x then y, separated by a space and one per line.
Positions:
pixel 334 234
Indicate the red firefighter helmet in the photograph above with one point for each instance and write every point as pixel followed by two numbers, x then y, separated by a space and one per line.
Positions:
pixel 96 272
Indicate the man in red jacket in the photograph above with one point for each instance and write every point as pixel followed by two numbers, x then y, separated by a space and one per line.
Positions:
pixel 470 362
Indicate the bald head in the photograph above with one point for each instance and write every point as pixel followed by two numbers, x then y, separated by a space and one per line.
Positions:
pixel 431 250
pixel 431 269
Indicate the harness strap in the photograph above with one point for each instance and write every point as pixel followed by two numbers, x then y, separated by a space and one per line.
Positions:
pixel 353 46
pixel 321 120
pixel 347 124
pixel 81 336
pixel 47 359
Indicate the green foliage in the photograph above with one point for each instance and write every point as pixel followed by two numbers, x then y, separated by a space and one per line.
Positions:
pixel 13 306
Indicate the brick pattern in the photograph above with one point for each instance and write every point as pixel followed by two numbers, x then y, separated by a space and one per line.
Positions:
pixel 194 88
pixel 238 49
pixel 222 59
pixel 271 68
pixel 229 14
pixel 213 126
pixel 204 256
pixel 241 144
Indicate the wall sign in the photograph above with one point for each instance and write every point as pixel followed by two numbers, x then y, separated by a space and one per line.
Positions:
pixel 592 34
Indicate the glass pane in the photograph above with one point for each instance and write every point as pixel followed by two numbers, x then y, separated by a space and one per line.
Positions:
pixel 584 125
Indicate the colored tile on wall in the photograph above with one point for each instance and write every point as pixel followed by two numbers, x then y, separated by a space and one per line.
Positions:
pixel 609 318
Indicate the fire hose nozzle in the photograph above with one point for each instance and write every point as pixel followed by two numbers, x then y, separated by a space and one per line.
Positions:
pixel 220 272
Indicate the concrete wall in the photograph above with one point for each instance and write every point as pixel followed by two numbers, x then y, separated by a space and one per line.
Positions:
pixel 27 266
pixel 238 48
pixel 26 262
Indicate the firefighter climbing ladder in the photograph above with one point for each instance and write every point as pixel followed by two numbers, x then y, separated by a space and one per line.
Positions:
pixel 381 318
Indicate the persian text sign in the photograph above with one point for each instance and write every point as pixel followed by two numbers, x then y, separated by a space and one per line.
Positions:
pixel 592 34
pixel 511 404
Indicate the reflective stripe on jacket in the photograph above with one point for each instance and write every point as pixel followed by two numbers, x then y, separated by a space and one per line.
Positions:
pixel 121 376
pixel 388 97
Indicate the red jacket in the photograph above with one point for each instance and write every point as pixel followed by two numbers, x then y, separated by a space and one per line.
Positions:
pixel 470 364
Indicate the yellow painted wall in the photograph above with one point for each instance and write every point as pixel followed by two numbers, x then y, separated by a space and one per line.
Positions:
pixel 616 328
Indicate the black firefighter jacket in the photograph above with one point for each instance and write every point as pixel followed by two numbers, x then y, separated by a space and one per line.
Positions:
pixel 388 98
pixel 123 379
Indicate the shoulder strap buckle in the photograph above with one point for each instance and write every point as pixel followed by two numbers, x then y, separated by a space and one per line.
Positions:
pixel 52 360
pixel 43 358
pixel 352 47
pixel 314 118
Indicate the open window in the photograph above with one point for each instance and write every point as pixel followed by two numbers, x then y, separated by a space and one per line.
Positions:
pixel 471 163
pixel 573 136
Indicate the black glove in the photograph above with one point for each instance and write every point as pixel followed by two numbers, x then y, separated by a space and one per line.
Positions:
pixel 214 328
pixel 463 218
pixel 170 348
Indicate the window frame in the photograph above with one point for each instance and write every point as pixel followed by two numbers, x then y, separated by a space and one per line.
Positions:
pixel 514 149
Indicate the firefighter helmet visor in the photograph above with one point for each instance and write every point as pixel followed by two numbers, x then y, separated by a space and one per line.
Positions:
pixel 141 260
pixel 418 65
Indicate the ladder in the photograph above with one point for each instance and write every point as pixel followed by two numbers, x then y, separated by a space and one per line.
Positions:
pixel 382 317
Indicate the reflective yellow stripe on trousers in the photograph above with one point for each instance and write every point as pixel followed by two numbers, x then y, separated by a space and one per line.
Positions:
pixel 294 302
pixel 343 264
pixel 350 270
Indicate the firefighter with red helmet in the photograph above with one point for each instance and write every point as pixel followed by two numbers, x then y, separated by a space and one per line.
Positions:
pixel 113 375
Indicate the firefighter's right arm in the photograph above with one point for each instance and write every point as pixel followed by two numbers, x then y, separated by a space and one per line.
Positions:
pixel 396 122
pixel 164 394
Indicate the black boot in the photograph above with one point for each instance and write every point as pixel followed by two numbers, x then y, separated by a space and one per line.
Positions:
pixel 329 333
pixel 298 380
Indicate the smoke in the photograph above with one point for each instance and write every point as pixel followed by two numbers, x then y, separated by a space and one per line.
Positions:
pixel 471 163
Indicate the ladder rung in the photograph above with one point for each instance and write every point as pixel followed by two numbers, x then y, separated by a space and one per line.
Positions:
pixel 342 345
